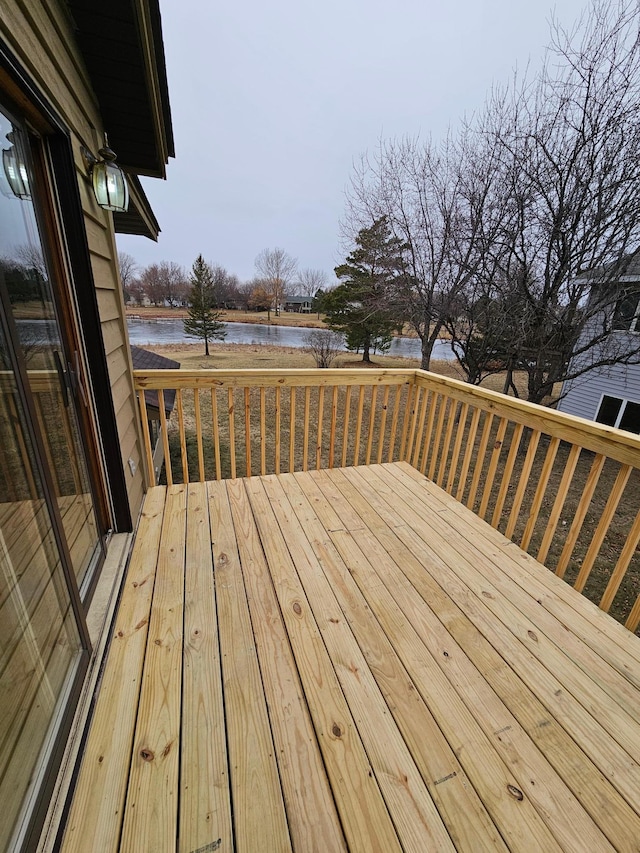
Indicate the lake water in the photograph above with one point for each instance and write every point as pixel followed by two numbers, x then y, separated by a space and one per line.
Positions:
pixel 143 332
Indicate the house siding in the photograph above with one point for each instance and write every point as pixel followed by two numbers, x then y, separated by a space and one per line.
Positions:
pixel 41 37
pixel 583 394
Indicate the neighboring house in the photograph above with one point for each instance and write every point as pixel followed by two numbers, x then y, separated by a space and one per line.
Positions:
pixel 144 360
pixel 611 394
pixel 299 304
pixel 71 466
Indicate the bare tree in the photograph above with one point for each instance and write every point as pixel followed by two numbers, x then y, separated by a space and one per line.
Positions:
pixel 277 269
pixel 310 281
pixel 128 268
pixel 324 345
pixel 165 282
pixel 527 218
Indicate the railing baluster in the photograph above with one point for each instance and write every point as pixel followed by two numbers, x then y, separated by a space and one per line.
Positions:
pixel 372 420
pixel 263 433
pixel 394 423
pixel 334 421
pixel 247 431
pixel 216 431
pixel 506 476
pixel 457 446
pixel 305 447
pixel 292 428
pixel 147 438
pixel 417 443
pixel 633 619
pixel 414 422
pixel 558 504
pixel 603 526
pixel 541 488
pixel 406 420
pixel 426 444
pixel 356 449
pixel 345 425
pixel 443 402
pixel 522 483
pixel 451 419
pixel 278 406
pixel 482 450
pixel 183 438
pixel 383 422
pixel 165 438
pixel 196 408
pixel 493 467
pixel 626 555
pixel 580 513
pixel 232 430
pixel 320 426
pixel 468 453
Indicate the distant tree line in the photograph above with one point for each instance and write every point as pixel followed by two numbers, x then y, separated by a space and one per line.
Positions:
pixel 168 284
pixel 509 235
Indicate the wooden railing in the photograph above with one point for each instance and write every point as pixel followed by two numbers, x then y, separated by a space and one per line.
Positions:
pixel 564 489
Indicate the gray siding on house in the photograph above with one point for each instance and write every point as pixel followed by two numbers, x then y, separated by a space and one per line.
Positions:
pixel 583 394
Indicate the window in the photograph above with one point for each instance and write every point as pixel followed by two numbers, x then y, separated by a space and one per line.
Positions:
pixel 626 314
pixel 623 414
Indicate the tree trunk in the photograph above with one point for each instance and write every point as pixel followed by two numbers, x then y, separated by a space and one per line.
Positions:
pixel 206 345
pixel 427 349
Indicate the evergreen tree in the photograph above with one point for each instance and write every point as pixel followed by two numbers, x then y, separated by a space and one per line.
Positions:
pixel 362 307
pixel 203 320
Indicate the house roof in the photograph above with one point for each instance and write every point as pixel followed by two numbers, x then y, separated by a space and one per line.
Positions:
pixel 121 43
pixel 299 299
pixel 144 360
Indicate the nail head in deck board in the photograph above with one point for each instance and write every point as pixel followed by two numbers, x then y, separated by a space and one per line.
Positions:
pixel 96 812
pixel 311 812
pixel 205 802
pixel 151 809
pixel 259 816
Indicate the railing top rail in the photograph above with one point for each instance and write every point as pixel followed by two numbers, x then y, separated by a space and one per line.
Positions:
pixel 154 379
pixel 616 444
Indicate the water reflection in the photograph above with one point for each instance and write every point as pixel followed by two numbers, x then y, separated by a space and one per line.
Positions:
pixel 143 332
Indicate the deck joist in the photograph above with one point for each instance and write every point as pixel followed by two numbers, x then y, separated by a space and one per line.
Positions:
pixel 351 660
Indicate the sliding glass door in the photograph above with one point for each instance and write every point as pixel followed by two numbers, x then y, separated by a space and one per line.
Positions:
pixel 50 536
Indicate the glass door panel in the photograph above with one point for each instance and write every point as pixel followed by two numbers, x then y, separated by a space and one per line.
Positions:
pixel 40 645
pixel 29 291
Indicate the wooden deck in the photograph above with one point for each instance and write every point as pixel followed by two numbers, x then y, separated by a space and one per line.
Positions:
pixel 351 660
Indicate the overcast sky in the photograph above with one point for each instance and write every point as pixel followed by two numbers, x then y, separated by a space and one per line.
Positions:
pixel 273 102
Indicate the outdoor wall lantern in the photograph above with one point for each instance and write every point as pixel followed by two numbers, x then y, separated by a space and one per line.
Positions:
pixel 15 170
pixel 109 182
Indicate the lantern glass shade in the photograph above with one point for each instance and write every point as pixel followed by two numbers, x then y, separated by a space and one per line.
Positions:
pixel 15 171
pixel 110 186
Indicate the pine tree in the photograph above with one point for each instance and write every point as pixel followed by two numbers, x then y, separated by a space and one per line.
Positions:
pixel 204 319
pixel 362 307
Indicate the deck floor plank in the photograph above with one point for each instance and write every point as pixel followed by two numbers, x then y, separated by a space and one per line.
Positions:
pixel 311 812
pixel 260 821
pixel 462 811
pixel 587 783
pixel 151 809
pixel 572 697
pixel 408 799
pixel 366 821
pixel 205 815
pixel 96 813
pixel 364 665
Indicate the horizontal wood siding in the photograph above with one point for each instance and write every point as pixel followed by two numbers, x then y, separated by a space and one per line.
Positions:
pixel 41 35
